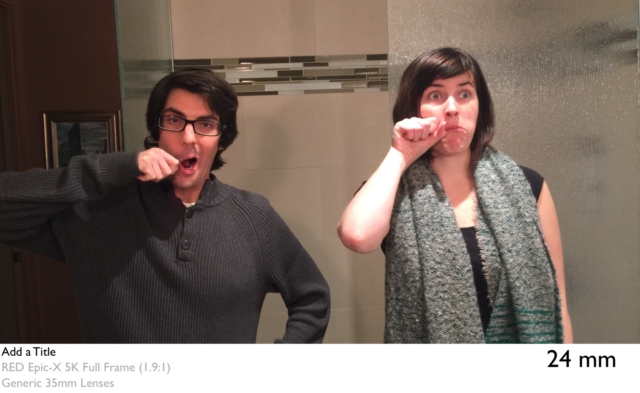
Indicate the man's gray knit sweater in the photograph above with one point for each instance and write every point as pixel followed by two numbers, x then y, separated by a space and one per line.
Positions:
pixel 147 269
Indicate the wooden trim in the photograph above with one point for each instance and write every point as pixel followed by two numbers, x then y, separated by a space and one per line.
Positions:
pixel 8 78
pixel 11 141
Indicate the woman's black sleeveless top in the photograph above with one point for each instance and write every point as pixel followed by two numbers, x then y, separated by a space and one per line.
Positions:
pixel 535 180
pixel 469 234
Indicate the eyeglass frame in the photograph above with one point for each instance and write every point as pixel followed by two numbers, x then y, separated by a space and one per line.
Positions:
pixel 221 126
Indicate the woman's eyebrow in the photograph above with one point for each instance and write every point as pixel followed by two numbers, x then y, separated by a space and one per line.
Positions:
pixel 459 85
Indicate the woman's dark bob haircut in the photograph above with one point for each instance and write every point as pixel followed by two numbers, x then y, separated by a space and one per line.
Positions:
pixel 445 63
pixel 216 91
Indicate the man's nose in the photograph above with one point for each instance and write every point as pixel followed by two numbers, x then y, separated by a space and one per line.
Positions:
pixel 451 108
pixel 188 134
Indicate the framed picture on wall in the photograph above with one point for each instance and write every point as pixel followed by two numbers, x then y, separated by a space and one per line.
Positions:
pixel 69 134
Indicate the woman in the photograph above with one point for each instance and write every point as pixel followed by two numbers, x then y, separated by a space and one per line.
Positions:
pixel 443 196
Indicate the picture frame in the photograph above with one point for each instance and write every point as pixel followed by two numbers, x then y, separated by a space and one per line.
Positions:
pixel 68 134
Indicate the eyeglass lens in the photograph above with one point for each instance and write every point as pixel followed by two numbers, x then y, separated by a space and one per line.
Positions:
pixel 173 123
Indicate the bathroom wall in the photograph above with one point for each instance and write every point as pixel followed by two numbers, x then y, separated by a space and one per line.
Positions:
pixel 564 77
pixel 307 153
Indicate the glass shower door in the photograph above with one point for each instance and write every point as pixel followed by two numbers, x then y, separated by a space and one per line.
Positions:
pixel 145 54
pixel 564 78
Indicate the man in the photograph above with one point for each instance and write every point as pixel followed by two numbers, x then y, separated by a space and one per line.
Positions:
pixel 159 249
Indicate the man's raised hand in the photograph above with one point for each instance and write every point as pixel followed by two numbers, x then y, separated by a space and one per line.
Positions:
pixel 156 164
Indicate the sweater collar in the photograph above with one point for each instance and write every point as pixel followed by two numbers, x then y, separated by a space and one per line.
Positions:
pixel 213 193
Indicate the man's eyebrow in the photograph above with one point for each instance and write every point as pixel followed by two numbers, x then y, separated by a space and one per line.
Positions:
pixel 212 116
pixel 177 112
pixel 209 117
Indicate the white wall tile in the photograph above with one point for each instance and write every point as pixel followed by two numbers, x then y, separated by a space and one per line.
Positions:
pixel 250 74
pixel 286 131
pixel 362 131
pixel 242 28
pixel 350 26
pixel 338 186
pixel 316 130
pixel 355 280
pixel 235 155
pixel 358 325
pixel 271 326
pixel 278 87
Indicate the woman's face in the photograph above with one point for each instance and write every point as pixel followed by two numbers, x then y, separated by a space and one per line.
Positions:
pixel 455 101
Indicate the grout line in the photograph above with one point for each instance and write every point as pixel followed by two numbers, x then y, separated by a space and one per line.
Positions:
pixel 244 125
pixel 315 32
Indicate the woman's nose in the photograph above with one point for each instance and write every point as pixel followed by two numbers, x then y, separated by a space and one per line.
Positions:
pixel 451 108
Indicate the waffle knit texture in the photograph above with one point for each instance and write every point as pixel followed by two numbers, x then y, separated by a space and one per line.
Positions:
pixel 147 270
pixel 430 292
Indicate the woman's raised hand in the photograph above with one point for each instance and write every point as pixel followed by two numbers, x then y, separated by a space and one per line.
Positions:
pixel 413 137
pixel 365 221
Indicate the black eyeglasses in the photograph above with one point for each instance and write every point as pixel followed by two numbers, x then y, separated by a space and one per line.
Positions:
pixel 200 127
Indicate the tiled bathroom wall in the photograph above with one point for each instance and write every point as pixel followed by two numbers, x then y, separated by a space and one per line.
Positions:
pixel 299 74
pixel 564 79
pixel 307 153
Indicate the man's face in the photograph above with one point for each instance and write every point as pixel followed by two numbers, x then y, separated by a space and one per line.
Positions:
pixel 195 152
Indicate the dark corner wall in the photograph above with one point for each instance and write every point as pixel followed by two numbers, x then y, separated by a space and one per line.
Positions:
pixel 64 58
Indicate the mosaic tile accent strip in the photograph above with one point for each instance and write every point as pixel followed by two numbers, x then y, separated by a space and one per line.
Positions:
pixel 251 76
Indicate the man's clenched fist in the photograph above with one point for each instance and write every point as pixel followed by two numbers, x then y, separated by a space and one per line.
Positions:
pixel 156 164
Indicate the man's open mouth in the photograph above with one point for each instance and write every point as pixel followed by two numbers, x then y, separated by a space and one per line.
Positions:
pixel 189 163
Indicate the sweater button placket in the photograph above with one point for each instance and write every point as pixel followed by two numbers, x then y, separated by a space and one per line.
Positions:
pixel 184 248
pixel 186 244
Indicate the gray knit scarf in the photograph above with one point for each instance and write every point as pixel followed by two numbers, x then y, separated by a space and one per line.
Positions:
pixel 430 292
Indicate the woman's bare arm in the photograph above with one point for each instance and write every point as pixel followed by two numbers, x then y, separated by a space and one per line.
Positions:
pixel 551 231
pixel 365 221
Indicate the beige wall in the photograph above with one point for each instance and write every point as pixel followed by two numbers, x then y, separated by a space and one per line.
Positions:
pixel 306 153
pixel 257 28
